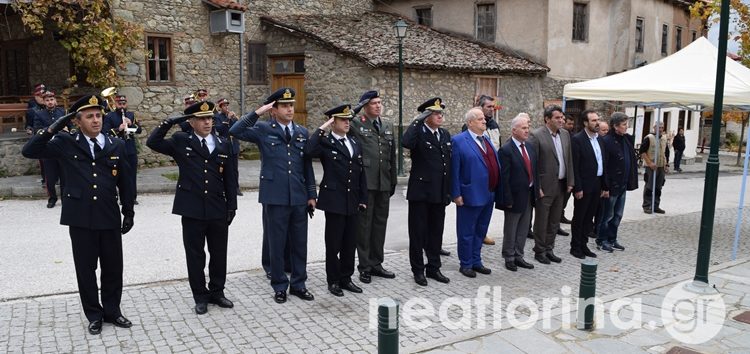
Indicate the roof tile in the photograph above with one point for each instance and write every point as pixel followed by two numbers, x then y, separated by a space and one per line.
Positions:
pixel 226 4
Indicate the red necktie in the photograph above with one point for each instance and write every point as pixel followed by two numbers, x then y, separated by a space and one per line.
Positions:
pixel 526 162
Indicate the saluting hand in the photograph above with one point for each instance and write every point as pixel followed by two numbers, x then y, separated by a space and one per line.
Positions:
pixel 264 108
pixel 326 124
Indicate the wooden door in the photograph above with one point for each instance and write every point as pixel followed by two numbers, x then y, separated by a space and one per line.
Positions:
pixel 290 72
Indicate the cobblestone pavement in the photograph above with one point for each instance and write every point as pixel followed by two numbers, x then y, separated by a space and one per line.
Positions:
pixel 659 247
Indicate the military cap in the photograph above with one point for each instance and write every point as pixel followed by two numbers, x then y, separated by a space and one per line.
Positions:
pixel 222 101
pixel 282 95
pixel 39 89
pixel 434 104
pixel 121 98
pixel 367 96
pixel 201 109
pixel 48 94
pixel 189 98
pixel 200 91
pixel 87 101
pixel 343 111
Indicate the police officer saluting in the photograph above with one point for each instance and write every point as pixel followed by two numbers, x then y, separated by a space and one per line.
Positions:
pixel 343 191
pixel 287 188
pixel 96 170
pixel 223 120
pixel 206 197
pixel 43 118
pixel 121 123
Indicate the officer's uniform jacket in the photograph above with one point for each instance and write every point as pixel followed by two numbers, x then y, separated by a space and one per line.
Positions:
pixel 43 117
pixel 89 198
pixel 378 152
pixel 429 179
pixel 111 125
pixel 286 173
pixel 207 186
pixel 344 184
pixel 222 123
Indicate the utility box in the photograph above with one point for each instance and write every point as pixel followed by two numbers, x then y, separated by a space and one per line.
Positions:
pixel 227 21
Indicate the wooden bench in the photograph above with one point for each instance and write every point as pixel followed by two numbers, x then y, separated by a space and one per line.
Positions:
pixel 12 115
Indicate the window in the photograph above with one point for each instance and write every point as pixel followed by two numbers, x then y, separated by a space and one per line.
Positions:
pixel 639 35
pixel 14 69
pixel 424 16
pixel 256 63
pixel 693 36
pixel 681 119
pixel 689 125
pixel 289 66
pixel 485 22
pixel 677 38
pixel 664 39
pixel 580 22
pixel 159 58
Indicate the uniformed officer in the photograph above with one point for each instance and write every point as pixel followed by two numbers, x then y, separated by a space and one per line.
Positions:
pixel 379 157
pixel 206 197
pixel 123 124
pixel 187 101
pixel 223 120
pixel 287 188
pixel 96 170
pixel 201 95
pixel 343 192
pixel 35 103
pixel 429 189
pixel 43 118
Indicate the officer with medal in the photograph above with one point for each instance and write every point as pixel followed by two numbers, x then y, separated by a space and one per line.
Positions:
pixel 206 198
pixel 96 171
pixel 122 123
pixel 343 193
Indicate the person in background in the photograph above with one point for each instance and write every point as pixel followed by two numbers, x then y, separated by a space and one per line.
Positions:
pixel 122 124
pixel 678 143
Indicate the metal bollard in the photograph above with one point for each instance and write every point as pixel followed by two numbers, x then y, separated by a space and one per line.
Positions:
pixel 587 294
pixel 387 326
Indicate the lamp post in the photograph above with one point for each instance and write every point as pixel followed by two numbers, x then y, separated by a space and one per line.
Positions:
pixel 400 27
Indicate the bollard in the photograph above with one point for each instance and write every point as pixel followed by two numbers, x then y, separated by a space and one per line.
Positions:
pixel 387 326
pixel 587 294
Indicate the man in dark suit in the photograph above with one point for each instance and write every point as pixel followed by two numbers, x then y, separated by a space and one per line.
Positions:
pixel 34 104
pixel 206 197
pixel 224 119
pixel 429 189
pixel 96 171
pixel 555 167
pixel 122 123
pixel 375 133
pixel 475 175
pixel 589 169
pixel 519 190
pixel 287 188
pixel 343 193
pixel 43 118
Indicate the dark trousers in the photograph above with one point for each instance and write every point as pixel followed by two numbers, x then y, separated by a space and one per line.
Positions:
pixel 133 162
pixel 648 190
pixel 195 235
pixel 677 158
pixel 52 174
pixel 472 223
pixel 371 238
pixel 105 247
pixel 583 215
pixel 287 225
pixel 426 224
pixel 515 232
pixel 547 221
pixel 341 243
pixel 265 257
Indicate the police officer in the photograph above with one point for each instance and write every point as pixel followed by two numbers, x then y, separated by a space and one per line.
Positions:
pixel 206 197
pixel 223 120
pixel 122 123
pixel 379 157
pixel 35 103
pixel 343 191
pixel 43 118
pixel 187 101
pixel 429 189
pixel 96 170
pixel 287 188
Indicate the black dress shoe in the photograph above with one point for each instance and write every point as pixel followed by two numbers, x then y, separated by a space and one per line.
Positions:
pixel 268 276
pixel 135 202
pixel 365 277
pixel 562 232
pixel 437 275
pixel 530 235
pixel 587 252
pixel 302 294
pixel 482 269
pixel 95 327
pixel 541 259
pixel 592 235
pixel 607 247
pixel 551 256
pixel 659 211
pixel 201 308
pixel 349 286
pixel 511 266
pixel 382 273
pixel 565 220
pixel 280 297
pixel 420 279
pixel 523 264
pixel 121 321
pixel 444 253
pixel 468 272
pixel 577 254
pixel 335 289
pixel 618 246
pixel 221 302
pixel 51 204
pixel 647 210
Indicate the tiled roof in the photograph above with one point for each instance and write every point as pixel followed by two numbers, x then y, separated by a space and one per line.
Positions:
pixel 226 4
pixel 370 37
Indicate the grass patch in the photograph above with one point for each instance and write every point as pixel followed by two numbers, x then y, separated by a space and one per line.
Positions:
pixel 172 176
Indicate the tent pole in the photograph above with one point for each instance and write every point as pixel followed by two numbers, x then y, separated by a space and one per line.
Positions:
pixel 635 120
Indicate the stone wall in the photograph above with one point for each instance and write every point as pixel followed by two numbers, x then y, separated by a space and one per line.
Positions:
pixel 12 163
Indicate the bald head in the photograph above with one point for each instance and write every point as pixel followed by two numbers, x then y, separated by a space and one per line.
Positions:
pixel 603 128
pixel 475 121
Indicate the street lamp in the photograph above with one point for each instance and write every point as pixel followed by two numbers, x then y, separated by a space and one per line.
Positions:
pixel 400 27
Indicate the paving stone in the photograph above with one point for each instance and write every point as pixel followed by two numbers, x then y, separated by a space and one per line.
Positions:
pixel 495 344
pixel 607 345
pixel 644 337
pixel 531 341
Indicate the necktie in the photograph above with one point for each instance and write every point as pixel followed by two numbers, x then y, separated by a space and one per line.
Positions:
pixel 287 135
pixel 376 125
pixel 343 142
pixel 437 136
pixel 481 143
pixel 526 162
pixel 204 146
pixel 97 148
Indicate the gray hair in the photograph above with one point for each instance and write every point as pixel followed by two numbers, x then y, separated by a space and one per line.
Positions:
pixel 473 114
pixel 618 118
pixel 519 118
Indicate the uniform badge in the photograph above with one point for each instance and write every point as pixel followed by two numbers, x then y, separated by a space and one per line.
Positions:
pixel 221 169
pixel 114 172
pixel 362 119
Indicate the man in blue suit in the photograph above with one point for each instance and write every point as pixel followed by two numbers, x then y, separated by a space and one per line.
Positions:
pixel 475 175
pixel 520 189
pixel 287 188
